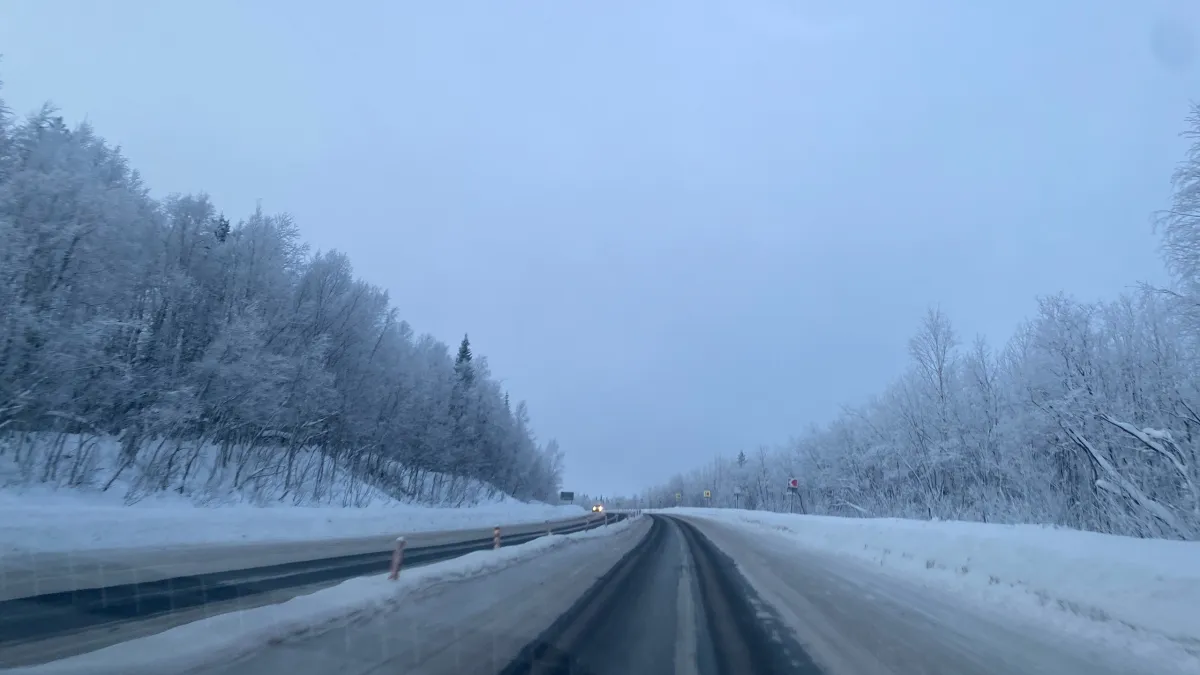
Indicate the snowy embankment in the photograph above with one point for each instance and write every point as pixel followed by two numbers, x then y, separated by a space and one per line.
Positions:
pixel 210 504
pixel 1079 580
pixel 229 636
pixel 83 526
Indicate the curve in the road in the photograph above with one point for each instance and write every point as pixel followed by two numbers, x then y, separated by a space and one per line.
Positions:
pixel 674 604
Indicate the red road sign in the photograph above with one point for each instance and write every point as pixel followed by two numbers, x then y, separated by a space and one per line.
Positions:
pixel 793 483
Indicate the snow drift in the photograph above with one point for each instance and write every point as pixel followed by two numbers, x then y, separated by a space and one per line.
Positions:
pixel 209 508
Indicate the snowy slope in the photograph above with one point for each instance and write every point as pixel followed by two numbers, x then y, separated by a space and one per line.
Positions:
pixel 206 508
pixel 56 467
pixel 81 526
pixel 1080 581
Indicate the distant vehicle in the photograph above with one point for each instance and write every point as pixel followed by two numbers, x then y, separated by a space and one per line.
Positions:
pixel 597 508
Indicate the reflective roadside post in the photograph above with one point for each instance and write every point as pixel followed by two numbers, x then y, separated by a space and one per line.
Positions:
pixel 397 559
pixel 496 537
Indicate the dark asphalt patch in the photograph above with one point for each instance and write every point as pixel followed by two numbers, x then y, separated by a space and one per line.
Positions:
pixel 748 636
pixel 744 635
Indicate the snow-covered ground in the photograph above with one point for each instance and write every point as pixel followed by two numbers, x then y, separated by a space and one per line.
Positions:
pixel 1083 582
pixel 58 515
pixel 80 526
pixel 226 637
pixel 57 466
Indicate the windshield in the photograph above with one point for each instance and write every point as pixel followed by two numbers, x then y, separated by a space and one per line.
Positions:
pixel 703 338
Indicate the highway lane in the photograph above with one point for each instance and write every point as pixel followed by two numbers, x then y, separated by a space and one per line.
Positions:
pixel 656 598
pixel 35 628
pixel 676 605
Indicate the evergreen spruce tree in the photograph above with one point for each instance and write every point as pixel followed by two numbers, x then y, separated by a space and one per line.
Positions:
pixel 462 364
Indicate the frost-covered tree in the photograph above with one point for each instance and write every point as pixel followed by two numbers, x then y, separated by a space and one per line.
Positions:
pixel 1088 417
pixel 177 331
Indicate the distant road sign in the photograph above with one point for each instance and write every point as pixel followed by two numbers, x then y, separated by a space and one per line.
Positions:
pixel 793 484
pixel 708 494
pixel 678 496
pixel 566 496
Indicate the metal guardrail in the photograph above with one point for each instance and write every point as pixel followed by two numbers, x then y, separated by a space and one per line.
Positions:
pixel 63 613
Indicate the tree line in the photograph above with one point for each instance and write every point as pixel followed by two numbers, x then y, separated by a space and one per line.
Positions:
pixel 1088 417
pixel 167 326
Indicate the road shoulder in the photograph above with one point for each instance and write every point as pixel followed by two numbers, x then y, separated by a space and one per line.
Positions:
pixel 856 621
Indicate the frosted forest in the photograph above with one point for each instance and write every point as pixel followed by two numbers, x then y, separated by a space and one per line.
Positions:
pixel 216 353
pixel 219 351
pixel 1088 417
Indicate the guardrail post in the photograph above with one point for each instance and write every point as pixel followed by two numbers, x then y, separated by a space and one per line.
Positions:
pixel 397 559
pixel 496 537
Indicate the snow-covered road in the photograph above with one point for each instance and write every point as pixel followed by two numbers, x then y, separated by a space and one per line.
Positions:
pixel 849 614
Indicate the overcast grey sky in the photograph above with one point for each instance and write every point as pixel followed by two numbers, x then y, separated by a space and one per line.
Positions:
pixel 674 227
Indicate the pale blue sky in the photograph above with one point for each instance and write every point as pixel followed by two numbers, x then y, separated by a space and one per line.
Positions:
pixel 675 228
